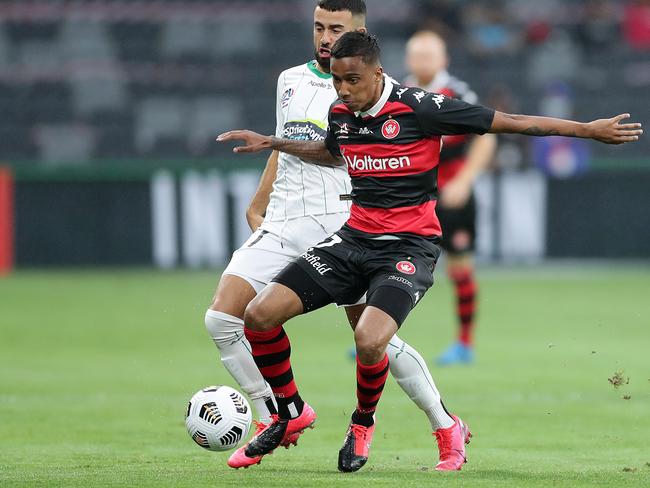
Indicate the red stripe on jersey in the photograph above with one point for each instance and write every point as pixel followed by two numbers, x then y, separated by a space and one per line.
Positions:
pixel 395 108
pixel 341 108
pixel 391 159
pixel 420 219
pixel 448 170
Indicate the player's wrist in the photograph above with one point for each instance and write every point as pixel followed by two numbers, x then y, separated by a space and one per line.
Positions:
pixel 275 142
pixel 586 130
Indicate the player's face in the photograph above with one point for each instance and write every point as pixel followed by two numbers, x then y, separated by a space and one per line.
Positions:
pixel 357 84
pixel 426 57
pixel 328 27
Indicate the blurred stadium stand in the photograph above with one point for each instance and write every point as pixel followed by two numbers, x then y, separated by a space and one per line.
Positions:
pixel 156 79
pixel 121 88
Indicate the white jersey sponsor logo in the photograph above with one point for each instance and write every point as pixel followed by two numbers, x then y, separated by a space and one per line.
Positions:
pixel 368 163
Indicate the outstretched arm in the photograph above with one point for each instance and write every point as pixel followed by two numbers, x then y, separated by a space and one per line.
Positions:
pixel 609 131
pixel 313 151
pixel 257 208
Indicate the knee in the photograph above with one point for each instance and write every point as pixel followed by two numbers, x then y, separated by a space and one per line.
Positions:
pixel 224 329
pixel 259 316
pixel 370 347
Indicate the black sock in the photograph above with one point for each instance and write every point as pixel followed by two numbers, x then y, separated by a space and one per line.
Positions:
pixel 365 419
pixel 290 408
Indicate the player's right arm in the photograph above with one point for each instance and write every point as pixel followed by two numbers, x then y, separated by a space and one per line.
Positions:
pixel 312 151
pixel 257 208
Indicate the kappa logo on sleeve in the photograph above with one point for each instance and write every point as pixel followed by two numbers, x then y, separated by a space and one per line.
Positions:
pixel 420 95
pixel 438 100
pixel 401 92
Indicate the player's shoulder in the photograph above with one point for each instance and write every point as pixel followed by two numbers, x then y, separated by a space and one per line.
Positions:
pixel 294 71
pixel 416 98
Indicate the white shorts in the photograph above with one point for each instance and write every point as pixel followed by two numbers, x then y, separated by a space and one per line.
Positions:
pixel 275 244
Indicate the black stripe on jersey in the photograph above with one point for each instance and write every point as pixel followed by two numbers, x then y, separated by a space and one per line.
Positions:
pixel 394 192
pixel 410 130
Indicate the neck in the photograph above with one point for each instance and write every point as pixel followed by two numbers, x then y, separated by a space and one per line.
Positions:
pixel 321 69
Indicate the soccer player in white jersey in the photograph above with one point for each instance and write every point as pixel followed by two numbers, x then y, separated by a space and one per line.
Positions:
pixel 307 204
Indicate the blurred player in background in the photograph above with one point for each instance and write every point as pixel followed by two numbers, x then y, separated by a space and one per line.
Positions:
pixel 462 159
pixel 298 205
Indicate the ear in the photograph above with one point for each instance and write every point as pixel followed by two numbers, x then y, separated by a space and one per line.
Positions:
pixel 363 30
pixel 379 74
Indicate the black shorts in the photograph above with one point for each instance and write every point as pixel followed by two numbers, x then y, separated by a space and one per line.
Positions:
pixel 458 227
pixel 348 264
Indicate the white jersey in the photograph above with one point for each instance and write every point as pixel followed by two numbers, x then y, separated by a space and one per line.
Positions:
pixel 304 96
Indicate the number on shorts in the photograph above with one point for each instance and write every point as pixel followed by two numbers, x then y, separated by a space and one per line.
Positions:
pixel 330 241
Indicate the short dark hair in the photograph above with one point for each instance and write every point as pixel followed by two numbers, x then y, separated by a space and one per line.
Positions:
pixel 357 44
pixel 357 7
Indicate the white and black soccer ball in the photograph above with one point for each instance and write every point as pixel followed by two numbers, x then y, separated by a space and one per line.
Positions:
pixel 218 418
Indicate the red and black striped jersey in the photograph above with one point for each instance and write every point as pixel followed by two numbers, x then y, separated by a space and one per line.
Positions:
pixel 392 152
pixel 454 147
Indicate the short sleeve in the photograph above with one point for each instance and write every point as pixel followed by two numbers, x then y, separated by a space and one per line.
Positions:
pixel 279 116
pixel 442 115
pixel 330 139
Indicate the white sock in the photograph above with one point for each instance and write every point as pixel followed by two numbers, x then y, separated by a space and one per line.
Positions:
pixel 411 373
pixel 227 332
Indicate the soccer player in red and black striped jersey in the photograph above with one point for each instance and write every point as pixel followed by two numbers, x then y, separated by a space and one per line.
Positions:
pixel 389 136
pixel 462 159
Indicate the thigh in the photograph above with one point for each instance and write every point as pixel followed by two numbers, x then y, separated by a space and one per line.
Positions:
pixel 259 259
pixel 332 265
pixel 404 265
pixel 233 296
pixel 458 227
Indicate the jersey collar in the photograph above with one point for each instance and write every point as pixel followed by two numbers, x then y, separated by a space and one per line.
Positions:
pixel 376 108
pixel 314 69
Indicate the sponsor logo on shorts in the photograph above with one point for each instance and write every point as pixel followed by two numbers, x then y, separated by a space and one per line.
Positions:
pixel 400 279
pixel 405 267
pixel 321 268
pixel 390 129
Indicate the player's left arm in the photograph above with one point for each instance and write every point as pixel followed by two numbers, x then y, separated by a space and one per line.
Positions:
pixel 256 210
pixel 316 152
pixel 479 154
pixel 609 131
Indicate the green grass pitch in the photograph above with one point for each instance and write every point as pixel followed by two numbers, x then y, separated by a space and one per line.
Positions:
pixel 96 368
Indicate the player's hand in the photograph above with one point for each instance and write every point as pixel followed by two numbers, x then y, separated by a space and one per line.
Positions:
pixel 253 142
pixel 611 131
pixel 455 193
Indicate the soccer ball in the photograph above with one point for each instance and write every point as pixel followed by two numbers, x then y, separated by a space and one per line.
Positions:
pixel 218 418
